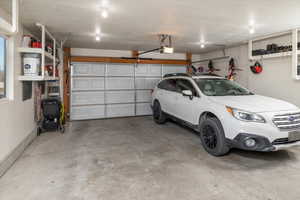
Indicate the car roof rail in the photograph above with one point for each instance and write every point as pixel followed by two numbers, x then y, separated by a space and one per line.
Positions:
pixel 176 74
pixel 209 74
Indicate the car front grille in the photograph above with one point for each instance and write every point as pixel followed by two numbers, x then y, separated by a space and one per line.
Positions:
pixel 286 122
pixel 283 141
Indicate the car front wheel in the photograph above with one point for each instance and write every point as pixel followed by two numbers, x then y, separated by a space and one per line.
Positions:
pixel 158 115
pixel 212 137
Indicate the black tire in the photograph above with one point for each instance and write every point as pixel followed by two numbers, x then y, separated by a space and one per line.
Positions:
pixel 158 115
pixel 212 137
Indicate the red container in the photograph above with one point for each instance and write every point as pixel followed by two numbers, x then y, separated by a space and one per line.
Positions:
pixel 36 44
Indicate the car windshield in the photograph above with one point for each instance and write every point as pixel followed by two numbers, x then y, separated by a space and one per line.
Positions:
pixel 221 87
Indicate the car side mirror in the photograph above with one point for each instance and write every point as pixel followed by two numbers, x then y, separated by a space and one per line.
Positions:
pixel 187 93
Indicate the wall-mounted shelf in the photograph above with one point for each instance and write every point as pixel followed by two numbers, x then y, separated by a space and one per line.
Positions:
pixel 274 55
pixel 46 57
pixel 38 78
pixel 294 54
pixel 30 50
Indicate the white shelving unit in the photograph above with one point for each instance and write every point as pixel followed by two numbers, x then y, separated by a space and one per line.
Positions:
pixel 46 58
pixel 294 53
pixel 38 78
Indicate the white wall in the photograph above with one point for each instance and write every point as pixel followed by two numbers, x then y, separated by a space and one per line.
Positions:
pixel 16 116
pixel 275 80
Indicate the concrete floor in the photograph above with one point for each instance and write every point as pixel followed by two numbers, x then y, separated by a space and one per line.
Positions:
pixel 134 158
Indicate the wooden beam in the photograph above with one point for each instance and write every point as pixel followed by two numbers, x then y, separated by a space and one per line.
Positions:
pixel 66 81
pixel 127 60
pixel 135 53
pixel 189 58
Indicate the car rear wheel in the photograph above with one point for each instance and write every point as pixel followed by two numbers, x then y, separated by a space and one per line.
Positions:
pixel 158 115
pixel 212 137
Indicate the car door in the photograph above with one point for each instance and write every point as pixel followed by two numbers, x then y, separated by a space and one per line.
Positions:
pixel 186 107
pixel 166 95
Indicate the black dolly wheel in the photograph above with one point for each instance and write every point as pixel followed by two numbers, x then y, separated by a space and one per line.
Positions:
pixel 212 137
pixel 158 115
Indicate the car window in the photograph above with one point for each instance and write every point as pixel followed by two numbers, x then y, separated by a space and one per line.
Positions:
pixel 221 87
pixel 161 85
pixel 184 84
pixel 168 84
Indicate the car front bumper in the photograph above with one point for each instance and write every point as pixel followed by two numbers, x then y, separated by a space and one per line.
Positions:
pixel 286 146
pixel 262 143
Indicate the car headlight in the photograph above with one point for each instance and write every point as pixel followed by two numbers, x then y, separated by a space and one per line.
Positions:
pixel 245 115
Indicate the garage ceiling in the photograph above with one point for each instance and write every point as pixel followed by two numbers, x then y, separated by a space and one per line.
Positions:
pixel 133 24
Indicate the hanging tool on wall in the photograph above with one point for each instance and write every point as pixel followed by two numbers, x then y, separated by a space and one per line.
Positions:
pixel 200 69
pixel 232 70
pixel 256 68
pixel 191 70
pixel 211 68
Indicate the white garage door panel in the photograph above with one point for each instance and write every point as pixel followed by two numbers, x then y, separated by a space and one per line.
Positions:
pixel 143 96
pixel 120 70
pixel 167 69
pixel 88 69
pixel 146 83
pixel 86 98
pixel 120 110
pixel 154 70
pixel 119 83
pixel 143 109
pixel 120 96
pixel 148 70
pixel 87 112
pixel 114 90
pixel 87 83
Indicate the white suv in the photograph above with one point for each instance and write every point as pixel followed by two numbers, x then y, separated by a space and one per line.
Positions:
pixel 225 114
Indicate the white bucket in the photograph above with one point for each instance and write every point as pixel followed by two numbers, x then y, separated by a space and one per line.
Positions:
pixel 26 41
pixel 31 64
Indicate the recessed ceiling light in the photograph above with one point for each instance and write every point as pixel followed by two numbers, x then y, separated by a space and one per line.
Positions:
pixel 98 38
pixel 98 31
pixel 202 46
pixel 104 14
pixel 252 30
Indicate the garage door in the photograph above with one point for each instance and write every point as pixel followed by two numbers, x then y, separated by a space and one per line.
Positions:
pixel 100 90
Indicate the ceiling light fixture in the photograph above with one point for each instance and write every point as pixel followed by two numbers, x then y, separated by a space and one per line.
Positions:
pixel 202 46
pixel 104 13
pixel 98 38
pixel 98 31
pixel 252 30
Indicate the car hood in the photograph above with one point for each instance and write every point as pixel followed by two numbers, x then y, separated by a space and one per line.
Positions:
pixel 254 103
